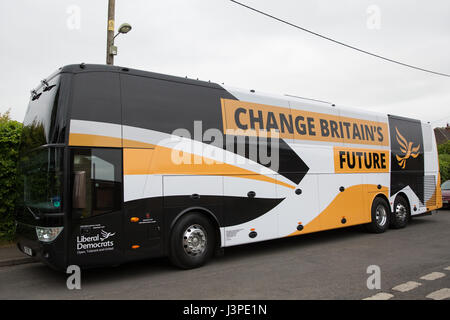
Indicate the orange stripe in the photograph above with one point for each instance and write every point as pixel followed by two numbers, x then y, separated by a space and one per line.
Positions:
pixel 355 204
pixel 229 108
pixel 138 161
pixel 91 140
pixel 141 161
pixel 436 198
pixel 381 165
pixel 136 144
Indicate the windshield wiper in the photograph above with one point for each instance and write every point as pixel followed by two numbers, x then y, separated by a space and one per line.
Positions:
pixel 35 95
pixel 37 217
pixel 48 88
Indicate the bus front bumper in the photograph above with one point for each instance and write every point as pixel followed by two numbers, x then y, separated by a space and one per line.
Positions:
pixel 51 253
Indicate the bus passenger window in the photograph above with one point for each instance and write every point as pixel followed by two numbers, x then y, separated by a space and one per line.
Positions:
pixel 96 181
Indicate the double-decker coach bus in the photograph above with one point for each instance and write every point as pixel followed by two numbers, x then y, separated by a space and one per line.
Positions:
pixel 119 165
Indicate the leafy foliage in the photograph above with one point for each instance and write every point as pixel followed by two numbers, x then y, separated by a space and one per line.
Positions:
pixel 10 133
pixel 444 148
pixel 444 161
pixel 444 167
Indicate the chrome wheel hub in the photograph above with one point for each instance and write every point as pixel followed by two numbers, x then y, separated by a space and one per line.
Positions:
pixel 194 240
pixel 400 211
pixel 381 215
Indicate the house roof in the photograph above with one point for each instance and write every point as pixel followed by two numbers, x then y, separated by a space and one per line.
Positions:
pixel 442 134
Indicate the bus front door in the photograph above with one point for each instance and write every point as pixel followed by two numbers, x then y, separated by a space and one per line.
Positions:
pixel 96 222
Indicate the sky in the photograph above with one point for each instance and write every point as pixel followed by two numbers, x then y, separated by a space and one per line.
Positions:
pixel 220 41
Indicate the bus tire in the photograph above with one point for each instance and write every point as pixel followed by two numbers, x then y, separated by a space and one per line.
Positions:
pixel 192 241
pixel 401 214
pixel 380 213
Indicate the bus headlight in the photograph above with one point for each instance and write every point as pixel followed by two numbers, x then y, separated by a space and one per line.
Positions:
pixel 48 234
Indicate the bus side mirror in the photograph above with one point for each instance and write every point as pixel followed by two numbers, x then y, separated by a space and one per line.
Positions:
pixel 79 190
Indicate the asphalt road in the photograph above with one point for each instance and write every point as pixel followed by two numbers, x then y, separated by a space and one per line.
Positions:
pixel 326 265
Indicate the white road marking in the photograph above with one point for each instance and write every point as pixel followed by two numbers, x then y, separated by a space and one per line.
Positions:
pixel 440 294
pixel 380 296
pixel 433 276
pixel 448 268
pixel 410 285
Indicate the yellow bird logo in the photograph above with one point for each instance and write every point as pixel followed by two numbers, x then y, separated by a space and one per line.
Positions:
pixel 407 149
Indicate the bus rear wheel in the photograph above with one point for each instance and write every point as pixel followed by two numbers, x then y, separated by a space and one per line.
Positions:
pixel 192 241
pixel 401 214
pixel 380 216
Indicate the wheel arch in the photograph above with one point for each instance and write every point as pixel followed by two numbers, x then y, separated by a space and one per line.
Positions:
pixel 382 196
pixel 207 213
pixel 404 196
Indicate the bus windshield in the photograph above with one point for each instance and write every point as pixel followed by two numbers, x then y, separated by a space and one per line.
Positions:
pixel 40 119
pixel 41 176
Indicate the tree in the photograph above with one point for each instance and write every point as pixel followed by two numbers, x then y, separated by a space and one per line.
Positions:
pixel 10 132
pixel 444 161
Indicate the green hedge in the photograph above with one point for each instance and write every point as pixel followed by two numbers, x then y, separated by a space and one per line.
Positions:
pixel 444 161
pixel 10 132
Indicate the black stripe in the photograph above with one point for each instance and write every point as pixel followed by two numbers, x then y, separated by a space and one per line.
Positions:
pixel 241 210
pixel 228 210
pixel 290 165
pixel 412 174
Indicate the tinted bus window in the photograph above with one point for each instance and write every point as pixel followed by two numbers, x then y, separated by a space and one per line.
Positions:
pixel 96 97
pixel 96 181
pixel 168 105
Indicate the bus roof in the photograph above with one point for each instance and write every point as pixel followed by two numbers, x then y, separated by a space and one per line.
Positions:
pixel 81 68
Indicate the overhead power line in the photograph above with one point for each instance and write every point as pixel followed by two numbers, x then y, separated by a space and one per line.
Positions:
pixel 339 42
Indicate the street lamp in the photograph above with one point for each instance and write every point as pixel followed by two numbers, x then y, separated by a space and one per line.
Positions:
pixel 124 28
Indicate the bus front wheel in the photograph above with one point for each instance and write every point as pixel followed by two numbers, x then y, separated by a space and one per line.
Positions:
pixel 192 241
pixel 380 216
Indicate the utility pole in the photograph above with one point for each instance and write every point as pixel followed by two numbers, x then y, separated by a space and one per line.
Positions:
pixel 110 34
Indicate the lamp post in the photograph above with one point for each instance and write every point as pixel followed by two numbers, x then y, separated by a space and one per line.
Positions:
pixel 111 49
pixel 110 32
